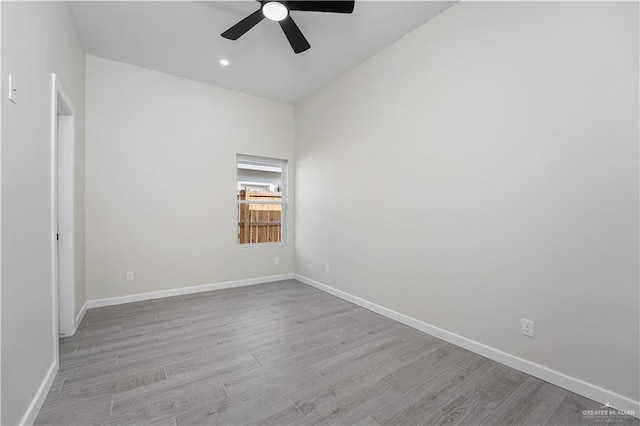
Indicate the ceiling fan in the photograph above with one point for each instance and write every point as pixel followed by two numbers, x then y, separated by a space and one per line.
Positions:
pixel 279 11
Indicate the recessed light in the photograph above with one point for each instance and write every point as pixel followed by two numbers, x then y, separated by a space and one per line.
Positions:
pixel 275 11
pixel 224 62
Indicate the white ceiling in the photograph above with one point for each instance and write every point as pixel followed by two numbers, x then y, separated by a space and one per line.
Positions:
pixel 183 38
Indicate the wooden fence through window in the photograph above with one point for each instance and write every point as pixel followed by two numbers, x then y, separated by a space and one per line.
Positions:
pixel 259 223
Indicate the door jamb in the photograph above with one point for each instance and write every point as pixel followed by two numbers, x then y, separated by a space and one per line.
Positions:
pixel 62 211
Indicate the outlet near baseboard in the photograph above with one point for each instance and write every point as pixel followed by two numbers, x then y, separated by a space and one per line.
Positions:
pixel 527 327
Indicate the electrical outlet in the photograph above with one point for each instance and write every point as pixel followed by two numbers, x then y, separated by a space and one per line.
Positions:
pixel 527 327
pixel 276 261
pixel 13 91
pixel 130 276
pixel 327 269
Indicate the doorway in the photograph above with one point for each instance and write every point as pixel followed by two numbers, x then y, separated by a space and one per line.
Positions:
pixel 63 201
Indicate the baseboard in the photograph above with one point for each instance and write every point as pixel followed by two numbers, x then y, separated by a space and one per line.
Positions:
pixel 97 303
pixel 34 408
pixel 80 315
pixel 557 378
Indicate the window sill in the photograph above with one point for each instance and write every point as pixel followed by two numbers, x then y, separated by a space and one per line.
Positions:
pixel 259 245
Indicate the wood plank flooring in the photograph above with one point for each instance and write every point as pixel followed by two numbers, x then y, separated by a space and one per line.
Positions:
pixel 285 353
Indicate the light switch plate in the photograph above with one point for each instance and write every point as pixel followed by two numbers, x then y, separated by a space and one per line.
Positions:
pixel 13 91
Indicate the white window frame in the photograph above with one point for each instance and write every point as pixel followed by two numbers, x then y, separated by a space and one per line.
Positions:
pixel 283 165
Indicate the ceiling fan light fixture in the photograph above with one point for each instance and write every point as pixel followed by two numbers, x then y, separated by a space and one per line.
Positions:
pixel 275 11
pixel 278 10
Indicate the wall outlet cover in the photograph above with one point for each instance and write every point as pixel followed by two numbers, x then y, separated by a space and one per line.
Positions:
pixel 527 327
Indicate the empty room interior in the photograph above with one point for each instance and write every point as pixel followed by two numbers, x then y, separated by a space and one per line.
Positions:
pixel 319 212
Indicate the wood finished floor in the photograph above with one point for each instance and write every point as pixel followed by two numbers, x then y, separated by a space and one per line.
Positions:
pixel 285 353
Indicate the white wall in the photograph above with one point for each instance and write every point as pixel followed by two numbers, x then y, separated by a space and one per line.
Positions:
pixel 38 38
pixel 161 179
pixel 1 105
pixel 484 169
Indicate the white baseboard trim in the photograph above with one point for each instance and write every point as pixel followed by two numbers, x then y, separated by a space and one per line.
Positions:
pixel 80 315
pixel 118 300
pixel 34 408
pixel 557 378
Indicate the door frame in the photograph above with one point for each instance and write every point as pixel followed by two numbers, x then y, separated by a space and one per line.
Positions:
pixel 63 163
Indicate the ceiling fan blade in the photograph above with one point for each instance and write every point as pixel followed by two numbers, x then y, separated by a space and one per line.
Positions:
pixel 297 41
pixel 243 26
pixel 322 6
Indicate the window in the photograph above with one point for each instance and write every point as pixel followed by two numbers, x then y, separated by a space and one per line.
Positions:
pixel 262 200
